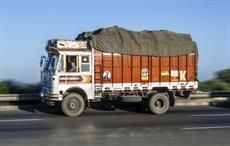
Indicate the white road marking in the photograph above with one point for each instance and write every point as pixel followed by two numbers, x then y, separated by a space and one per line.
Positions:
pixel 209 115
pixel 19 120
pixel 203 128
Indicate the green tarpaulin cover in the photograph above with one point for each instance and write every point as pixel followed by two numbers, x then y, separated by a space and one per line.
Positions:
pixel 155 43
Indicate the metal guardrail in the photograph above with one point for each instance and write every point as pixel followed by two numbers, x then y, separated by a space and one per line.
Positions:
pixel 19 97
pixel 33 97
pixel 210 94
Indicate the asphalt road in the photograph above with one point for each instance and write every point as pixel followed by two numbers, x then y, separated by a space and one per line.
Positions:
pixel 181 126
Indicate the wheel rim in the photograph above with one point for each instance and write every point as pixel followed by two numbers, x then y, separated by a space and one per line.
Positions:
pixel 73 105
pixel 159 104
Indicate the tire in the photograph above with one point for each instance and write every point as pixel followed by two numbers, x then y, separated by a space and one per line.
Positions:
pixel 73 105
pixel 158 103
pixel 171 99
pixel 185 94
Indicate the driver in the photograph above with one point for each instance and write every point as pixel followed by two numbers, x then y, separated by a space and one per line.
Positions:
pixel 73 67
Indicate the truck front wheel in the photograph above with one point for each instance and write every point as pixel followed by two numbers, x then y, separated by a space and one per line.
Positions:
pixel 73 105
pixel 159 103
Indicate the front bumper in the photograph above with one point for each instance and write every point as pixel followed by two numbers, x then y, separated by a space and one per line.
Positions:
pixel 49 96
pixel 49 99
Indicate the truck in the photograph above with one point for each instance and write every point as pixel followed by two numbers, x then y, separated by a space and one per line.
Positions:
pixel 152 68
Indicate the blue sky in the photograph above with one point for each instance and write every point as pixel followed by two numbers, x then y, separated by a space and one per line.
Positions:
pixel 26 25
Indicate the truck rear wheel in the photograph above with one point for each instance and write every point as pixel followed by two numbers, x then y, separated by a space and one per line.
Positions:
pixel 185 94
pixel 73 105
pixel 158 103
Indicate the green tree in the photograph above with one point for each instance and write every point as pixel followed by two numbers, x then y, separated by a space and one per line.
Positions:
pixel 224 75
pixel 14 87
pixel 214 85
pixel 4 88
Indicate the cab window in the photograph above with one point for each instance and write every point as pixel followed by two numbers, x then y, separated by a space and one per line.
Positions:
pixel 85 63
pixel 72 63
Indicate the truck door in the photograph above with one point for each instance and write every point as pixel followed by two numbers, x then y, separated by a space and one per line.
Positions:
pixel 76 71
pixel 86 74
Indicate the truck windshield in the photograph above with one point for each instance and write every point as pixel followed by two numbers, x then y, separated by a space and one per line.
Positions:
pixel 51 62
